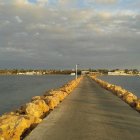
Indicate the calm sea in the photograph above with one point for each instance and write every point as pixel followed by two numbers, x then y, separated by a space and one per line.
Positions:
pixel 131 83
pixel 18 90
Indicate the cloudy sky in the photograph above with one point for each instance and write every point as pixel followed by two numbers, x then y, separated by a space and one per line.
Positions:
pixel 62 33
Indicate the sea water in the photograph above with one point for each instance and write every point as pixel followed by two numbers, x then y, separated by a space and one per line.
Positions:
pixel 18 90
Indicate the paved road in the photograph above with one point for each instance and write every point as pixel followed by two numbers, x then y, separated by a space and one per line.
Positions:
pixel 89 113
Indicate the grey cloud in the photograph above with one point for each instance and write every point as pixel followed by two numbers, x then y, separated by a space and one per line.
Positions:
pixel 55 38
pixel 19 20
pixel 103 1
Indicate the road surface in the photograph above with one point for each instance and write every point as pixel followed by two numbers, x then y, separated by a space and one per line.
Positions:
pixel 89 113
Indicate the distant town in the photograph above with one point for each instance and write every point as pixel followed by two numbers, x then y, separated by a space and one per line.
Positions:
pixel 130 72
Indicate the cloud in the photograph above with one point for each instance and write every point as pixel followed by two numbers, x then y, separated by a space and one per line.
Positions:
pixel 18 19
pixel 75 2
pixel 4 23
pixel 66 1
pixel 106 1
pixel 59 37
pixel 25 3
pixel 102 2
pixel 105 15
pixel 8 49
pixel 42 2
pixel 20 2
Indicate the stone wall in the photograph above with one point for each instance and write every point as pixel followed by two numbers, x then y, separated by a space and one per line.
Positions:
pixel 122 93
pixel 14 125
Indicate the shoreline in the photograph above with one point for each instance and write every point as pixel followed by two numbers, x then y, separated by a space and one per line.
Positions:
pixel 17 124
pixel 125 95
pixel 31 74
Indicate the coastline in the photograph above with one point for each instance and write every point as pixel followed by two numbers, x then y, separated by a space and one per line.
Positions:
pixel 17 124
pixel 127 96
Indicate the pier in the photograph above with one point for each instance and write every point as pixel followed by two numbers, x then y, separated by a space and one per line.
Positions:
pixel 89 113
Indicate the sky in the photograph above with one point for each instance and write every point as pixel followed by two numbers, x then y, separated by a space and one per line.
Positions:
pixel 58 34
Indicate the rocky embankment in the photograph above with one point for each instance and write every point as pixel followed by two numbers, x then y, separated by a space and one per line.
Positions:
pixel 125 95
pixel 14 125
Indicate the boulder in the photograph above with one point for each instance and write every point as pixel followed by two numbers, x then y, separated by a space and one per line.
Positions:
pixel 59 94
pixel 104 84
pixel 117 89
pixel 138 105
pixel 36 108
pixel 107 86
pixel 121 92
pixel 12 126
pixel 51 101
pixel 112 88
pixel 129 97
pixel 67 89
pixel 36 98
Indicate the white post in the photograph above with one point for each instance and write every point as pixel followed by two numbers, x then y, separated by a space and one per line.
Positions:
pixel 76 71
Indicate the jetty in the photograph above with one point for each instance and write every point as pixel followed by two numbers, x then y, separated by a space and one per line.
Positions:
pixel 89 113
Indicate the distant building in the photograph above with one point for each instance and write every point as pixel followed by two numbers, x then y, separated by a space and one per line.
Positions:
pixel 95 73
pixel 73 74
pixel 84 72
pixel 20 73
pixel 130 72
pixel 30 73
pixel 117 72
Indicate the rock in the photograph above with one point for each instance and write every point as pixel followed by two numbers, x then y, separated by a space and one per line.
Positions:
pixel 12 126
pixel 36 98
pixel 112 88
pixel 108 86
pixel 104 84
pixel 36 108
pixel 51 101
pixel 129 97
pixel 58 93
pixel 117 89
pixel 120 93
pixel 67 89
pixel 138 105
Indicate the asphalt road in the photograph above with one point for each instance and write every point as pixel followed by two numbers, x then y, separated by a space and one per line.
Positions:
pixel 89 113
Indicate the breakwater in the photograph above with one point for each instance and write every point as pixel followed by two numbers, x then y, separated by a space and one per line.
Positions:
pixel 129 97
pixel 14 125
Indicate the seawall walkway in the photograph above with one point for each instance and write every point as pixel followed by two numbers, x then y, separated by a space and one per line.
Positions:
pixel 89 113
